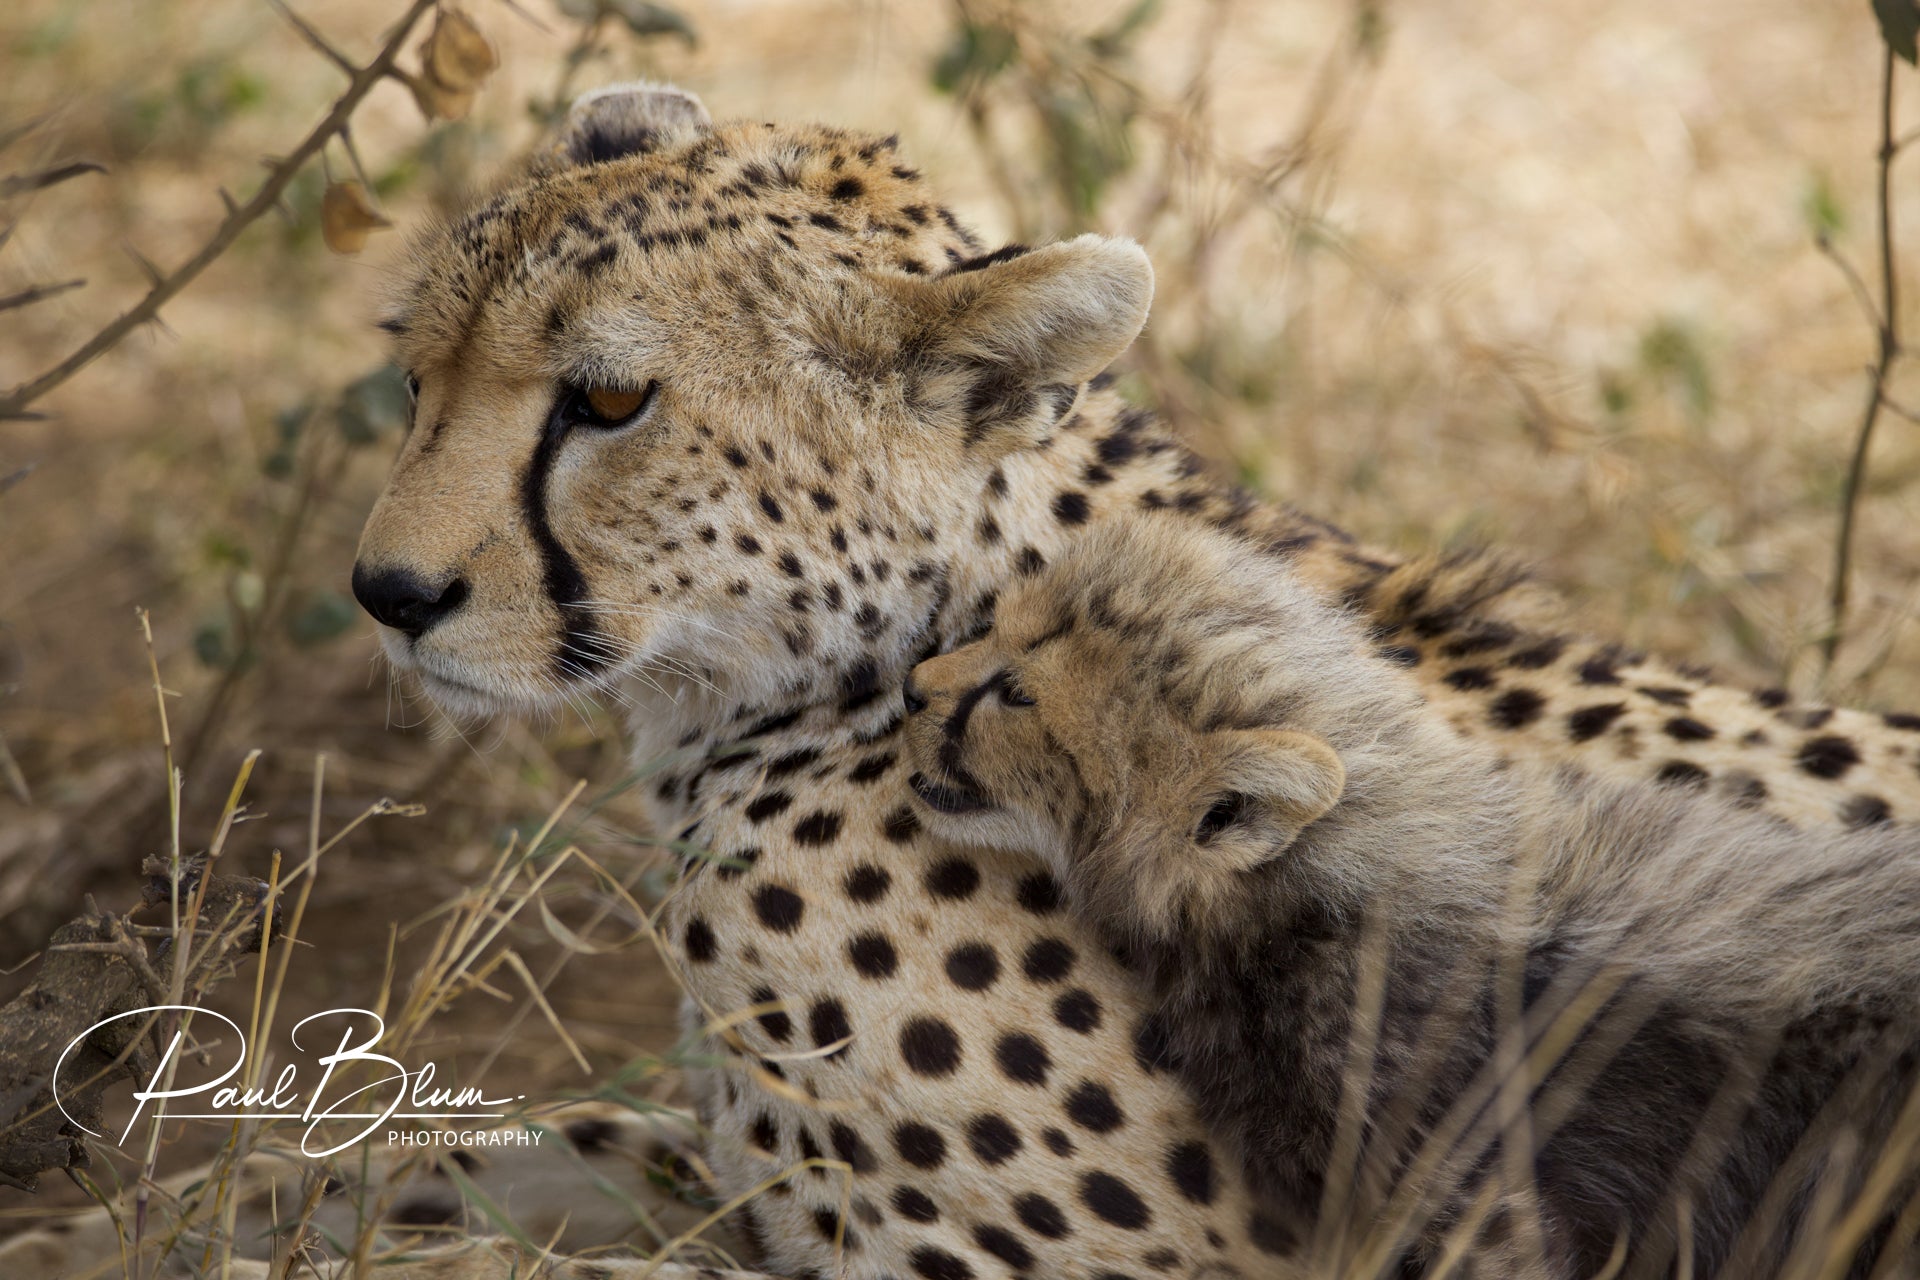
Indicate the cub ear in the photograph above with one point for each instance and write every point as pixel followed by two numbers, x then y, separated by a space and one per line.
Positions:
pixel 1262 789
pixel 1058 314
pixel 624 120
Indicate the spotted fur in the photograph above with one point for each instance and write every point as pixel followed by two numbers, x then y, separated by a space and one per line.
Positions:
pixel 1251 801
pixel 859 427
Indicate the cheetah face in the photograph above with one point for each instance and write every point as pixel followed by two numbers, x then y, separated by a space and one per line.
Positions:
pixel 699 406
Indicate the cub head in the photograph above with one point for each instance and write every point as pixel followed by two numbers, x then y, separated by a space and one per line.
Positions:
pixel 705 405
pixel 1155 710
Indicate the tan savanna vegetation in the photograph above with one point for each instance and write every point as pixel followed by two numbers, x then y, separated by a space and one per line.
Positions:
pixel 1581 280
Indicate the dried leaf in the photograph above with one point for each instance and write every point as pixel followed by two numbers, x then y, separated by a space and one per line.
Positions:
pixel 457 55
pixel 437 102
pixel 347 217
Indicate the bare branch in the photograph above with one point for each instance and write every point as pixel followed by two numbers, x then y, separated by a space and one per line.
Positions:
pixel 1899 410
pixel 1860 294
pixel 268 196
pixel 14 186
pixel 1889 336
pixel 27 297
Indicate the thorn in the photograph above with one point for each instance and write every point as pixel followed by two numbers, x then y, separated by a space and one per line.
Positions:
pixel 315 39
pixel 21 415
pixel 155 276
pixel 47 177
pixel 13 478
pixel 226 198
pixel 8 1180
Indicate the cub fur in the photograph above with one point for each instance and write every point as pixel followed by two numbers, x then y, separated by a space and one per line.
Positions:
pixel 1256 806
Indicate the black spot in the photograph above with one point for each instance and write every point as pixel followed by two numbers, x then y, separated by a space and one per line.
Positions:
pixel 1040 1215
pixel 1048 960
pixel 1536 656
pixel 816 828
pixel 747 543
pixel 1682 774
pixel 849 1146
pixel 766 1134
pixel 767 806
pixel 1599 669
pixel 1070 507
pixel 920 1145
pixel 792 762
pixel 1091 1106
pixel 778 907
pixel 930 1047
pixel 1190 1165
pixel 1004 1245
pixel 1077 1010
pixel 1686 729
pixel 1058 1142
pixel 1029 562
pixel 993 1139
pixel 827 1223
pixel 588 1136
pixel 1470 678
pixel 774 1022
pixel 973 966
pixel 1515 709
pixel 861 685
pixel 789 564
pixel 1591 722
pixel 1827 757
pixel 1022 1059
pixel 870 769
pixel 873 955
pixel 1865 811
pixel 953 878
pixel 823 501
pixel 901 825
pixel 1005 253
pixel 1113 1201
pixel 699 941
pixel 867 883
pixel 1039 893
pixel 1270 1235
pixel 827 1022
pixel 914 1205
pixel 938 1264
pixel 1901 720
pixel 1772 699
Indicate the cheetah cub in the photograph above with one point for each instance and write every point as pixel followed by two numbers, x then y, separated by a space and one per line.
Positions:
pixel 1569 1024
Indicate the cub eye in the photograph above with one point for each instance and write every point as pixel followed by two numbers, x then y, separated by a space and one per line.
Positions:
pixel 1012 694
pixel 608 406
pixel 413 389
pixel 1226 811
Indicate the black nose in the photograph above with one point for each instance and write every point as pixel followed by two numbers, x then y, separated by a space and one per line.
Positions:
pixel 910 694
pixel 405 601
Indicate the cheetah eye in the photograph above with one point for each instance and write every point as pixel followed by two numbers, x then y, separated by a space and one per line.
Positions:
pixel 1012 694
pixel 606 407
pixel 1226 811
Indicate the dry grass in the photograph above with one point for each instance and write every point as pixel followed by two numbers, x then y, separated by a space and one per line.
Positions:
pixel 1542 276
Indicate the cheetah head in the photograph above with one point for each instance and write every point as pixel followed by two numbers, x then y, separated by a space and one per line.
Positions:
pixel 1139 702
pixel 701 404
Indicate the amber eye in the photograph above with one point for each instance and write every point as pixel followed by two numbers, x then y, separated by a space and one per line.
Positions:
pixel 608 406
pixel 1012 694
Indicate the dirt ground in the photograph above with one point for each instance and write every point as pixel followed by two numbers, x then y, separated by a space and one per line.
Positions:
pixel 1542 276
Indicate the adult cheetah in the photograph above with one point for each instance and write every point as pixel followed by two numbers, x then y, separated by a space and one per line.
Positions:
pixel 739 421
pixel 1239 789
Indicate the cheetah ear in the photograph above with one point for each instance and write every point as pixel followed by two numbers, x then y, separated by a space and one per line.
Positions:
pixel 1058 314
pixel 622 120
pixel 1262 789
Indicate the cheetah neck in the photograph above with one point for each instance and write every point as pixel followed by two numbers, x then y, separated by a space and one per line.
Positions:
pixel 1104 460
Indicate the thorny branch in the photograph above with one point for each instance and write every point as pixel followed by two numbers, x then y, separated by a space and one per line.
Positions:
pixel 239 217
pixel 1886 321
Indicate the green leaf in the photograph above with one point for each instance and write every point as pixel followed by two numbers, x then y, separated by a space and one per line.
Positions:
pixel 642 17
pixel 975 55
pixel 1821 205
pixel 325 616
pixel 375 403
pixel 1899 26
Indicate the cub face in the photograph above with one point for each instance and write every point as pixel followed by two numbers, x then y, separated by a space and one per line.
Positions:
pixel 1089 726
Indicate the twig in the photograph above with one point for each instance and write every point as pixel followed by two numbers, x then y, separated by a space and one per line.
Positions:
pixel 47 177
pixel 39 292
pixel 1888 332
pixel 278 180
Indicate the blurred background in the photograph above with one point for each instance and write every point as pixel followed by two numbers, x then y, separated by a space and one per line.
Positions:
pixel 1541 276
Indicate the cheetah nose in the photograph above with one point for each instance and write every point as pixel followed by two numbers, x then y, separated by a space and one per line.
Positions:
pixel 910 694
pixel 405 601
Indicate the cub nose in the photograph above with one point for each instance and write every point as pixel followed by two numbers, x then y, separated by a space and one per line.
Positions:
pixel 406 601
pixel 910 694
